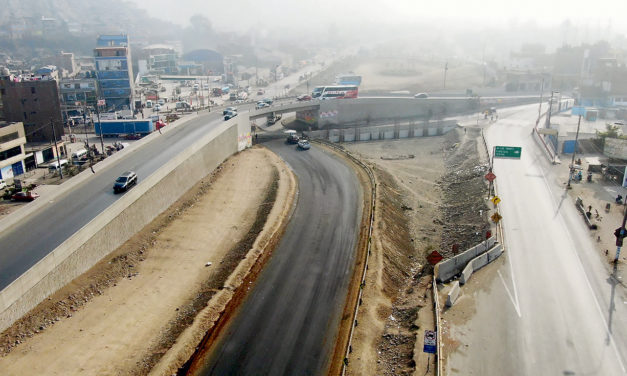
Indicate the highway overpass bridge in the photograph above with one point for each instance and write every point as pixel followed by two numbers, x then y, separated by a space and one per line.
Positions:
pixel 377 110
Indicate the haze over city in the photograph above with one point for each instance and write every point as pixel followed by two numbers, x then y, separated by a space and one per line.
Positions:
pixel 314 15
pixel 325 188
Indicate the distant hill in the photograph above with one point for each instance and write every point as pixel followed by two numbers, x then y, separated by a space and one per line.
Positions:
pixel 36 26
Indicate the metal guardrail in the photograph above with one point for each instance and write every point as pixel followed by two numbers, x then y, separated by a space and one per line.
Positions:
pixel 371 225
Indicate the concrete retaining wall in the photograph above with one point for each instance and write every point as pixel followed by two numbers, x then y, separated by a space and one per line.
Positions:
pixel 387 132
pixel 116 224
pixel 453 294
pixel 448 269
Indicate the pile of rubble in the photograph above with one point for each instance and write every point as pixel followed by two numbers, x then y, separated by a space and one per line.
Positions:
pixel 464 190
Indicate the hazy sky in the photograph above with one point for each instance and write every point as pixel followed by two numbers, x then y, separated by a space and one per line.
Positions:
pixel 242 14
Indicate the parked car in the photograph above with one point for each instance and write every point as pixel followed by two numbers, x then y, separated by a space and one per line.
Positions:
pixel 267 101
pixel 228 109
pixel 304 144
pixel 24 196
pixel 125 181
pixel 292 137
pixel 3 184
pixel 421 95
pixel 261 104
pixel 161 102
pixel 230 115
pixel 157 107
pixel 273 119
pixel 303 98
pixel 260 92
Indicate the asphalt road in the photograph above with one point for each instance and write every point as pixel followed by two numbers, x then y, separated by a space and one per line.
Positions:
pixel 288 322
pixel 554 307
pixel 25 244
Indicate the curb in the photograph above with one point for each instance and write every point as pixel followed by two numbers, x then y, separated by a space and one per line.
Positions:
pixel 370 227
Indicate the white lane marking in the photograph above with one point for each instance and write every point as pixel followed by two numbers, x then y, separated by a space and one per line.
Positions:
pixel 514 301
pixel 583 271
pixel 512 298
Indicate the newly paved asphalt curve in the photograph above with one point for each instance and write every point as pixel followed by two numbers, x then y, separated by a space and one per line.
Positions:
pixel 288 322
pixel 25 244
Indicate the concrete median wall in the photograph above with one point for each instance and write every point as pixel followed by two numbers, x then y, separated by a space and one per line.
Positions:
pixel 448 269
pixel 120 221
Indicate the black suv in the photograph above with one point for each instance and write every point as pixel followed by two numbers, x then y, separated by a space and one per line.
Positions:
pixel 125 181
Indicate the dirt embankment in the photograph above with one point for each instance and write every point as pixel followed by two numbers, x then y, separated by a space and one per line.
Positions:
pixel 424 203
pixel 123 315
pixel 464 214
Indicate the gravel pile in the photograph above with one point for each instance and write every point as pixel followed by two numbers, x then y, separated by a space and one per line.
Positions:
pixel 464 190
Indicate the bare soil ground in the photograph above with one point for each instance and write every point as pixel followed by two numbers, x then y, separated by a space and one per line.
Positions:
pixel 429 197
pixel 127 311
pixel 382 75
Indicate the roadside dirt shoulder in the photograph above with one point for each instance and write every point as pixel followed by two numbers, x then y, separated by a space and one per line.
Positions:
pixel 126 312
pixel 429 197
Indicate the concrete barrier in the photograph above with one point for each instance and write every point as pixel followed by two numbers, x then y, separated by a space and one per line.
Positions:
pixel 466 273
pixel 448 269
pixel 479 261
pixel 453 294
pixel 70 185
pixel 116 224
pixel 495 252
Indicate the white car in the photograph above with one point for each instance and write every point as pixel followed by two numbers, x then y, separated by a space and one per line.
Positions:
pixel 161 102
pixel 3 184
pixel 157 107
pixel 261 105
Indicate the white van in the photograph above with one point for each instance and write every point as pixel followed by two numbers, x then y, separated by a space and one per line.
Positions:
pixel 79 154
pixel 54 166
pixel 149 103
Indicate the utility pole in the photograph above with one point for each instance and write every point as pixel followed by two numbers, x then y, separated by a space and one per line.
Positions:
pixel 572 162
pixel 548 115
pixel 85 123
pixel 445 70
pixel 541 93
pixel 483 65
pixel 100 126
pixel 56 149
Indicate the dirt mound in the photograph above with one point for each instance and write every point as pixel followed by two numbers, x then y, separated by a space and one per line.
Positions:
pixel 425 203
pixel 464 213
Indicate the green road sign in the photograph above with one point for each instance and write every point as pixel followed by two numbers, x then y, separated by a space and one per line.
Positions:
pixel 507 152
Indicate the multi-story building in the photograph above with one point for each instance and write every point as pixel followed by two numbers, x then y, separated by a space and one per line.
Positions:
pixel 34 101
pixel 66 63
pixel 12 155
pixel 114 71
pixel 161 59
pixel 82 90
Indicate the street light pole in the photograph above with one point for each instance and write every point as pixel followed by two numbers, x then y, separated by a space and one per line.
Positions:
pixel 572 162
pixel 100 126
pixel 56 149
pixel 540 106
pixel 548 114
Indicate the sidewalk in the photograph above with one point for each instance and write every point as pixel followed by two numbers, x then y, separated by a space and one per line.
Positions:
pixel 598 194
